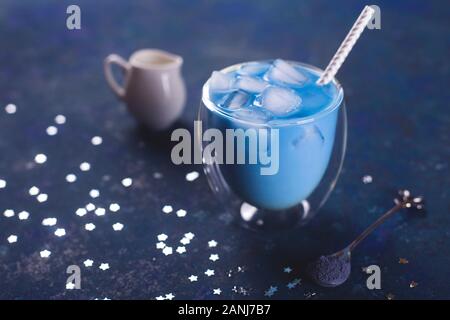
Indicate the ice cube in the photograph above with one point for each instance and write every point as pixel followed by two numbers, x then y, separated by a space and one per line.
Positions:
pixel 283 72
pixel 253 68
pixel 221 82
pixel 236 100
pixel 252 114
pixel 280 100
pixel 251 84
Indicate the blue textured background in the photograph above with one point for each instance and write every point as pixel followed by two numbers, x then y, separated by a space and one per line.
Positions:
pixel 396 84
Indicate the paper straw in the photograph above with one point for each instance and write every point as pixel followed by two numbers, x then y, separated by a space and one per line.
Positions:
pixel 346 46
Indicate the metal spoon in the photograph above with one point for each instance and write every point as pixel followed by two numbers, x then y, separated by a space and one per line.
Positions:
pixel 334 269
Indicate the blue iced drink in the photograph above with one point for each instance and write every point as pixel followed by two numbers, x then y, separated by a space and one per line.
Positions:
pixel 276 95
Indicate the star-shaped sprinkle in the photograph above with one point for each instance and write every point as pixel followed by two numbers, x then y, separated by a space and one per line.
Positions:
pixel 100 211
pixel 23 215
pixel 89 226
pixel 160 298
pixel 2 184
pixel 127 182
pixel 217 291
pixel 271 291
pixel 12 238
pixel 40 158
pixel 11 108
pixel 33 191
pixel 367 179
pixel 96 141
pixel 191 176
pixel 193 278
pixel 70 286
pixel 114 207
pixel 8 213
pixel 88 263
pixel 42 197
pixel 104 266
pixel 189 235
pixel 81 212
pixel 181 250
pixel 94 193
pixel 71 178
pixel 169 296
pixel 117 226
pixel 212 243
pixel 181 213
pixel 45 253
pixel 51 130
pixel 209 272
pixel 287 270
pixel 60 119
pixel 60 232
pixel 160 245
pixel 167 251
pixel 162 237
pixel 167 209
pixel 214 257
pixel 49 222
pixel 90 207
pixel 185 241
pixel 85 166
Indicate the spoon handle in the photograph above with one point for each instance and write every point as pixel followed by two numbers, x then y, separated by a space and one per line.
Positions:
pixel 374 225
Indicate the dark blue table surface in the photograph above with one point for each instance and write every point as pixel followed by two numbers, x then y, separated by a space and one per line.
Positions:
pixel 396 83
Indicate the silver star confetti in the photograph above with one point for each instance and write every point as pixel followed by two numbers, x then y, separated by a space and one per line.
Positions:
pixel 88 263
pixel 100 211
pixel 193 278
pixel 90 207
pixel 117 226
pixel 60 119
pixel 367 179
pixel 96 140
pixel 162 237
pixel 104 266
pixel 114 207
pixel 89 226
pixel 169 296
pixel 42 197
pixel 94 193
pixel 45 253
pixel 23 215
pixel 85 166
pixel 71 178
pixel 52 130
pixel 181 250
pixel 11 108
pixel 60 232
pixel 212 243
pixel 181 213
pixel 49 222
pixel 209 272
pixel 287 270
pixel 127 182
pixel 167 209
pixel 12 238
pixel 33 191
pixel 8 213
pixel 160 245
pixel 40 158
pixel 81 212
pixel 214 257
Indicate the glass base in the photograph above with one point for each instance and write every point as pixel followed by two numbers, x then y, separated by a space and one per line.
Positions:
pixel 273 221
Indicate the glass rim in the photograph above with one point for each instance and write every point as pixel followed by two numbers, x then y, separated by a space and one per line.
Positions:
pixel 336 103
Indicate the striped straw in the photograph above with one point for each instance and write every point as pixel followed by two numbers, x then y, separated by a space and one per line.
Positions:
pixel 346 46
